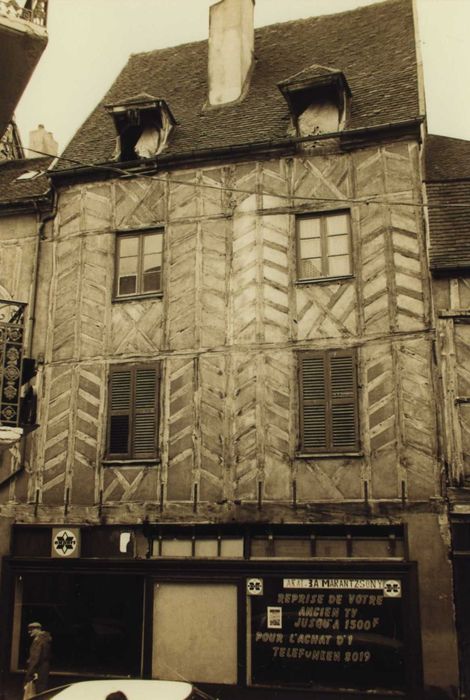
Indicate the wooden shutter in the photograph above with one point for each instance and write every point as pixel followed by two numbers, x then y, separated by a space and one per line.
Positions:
pixel 133 412
pixel 313 414
pixel 328 393
pixel 343 401
pixel 145 413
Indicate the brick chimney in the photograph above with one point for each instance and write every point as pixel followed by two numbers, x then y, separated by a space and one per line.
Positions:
pixel 231 46
pixel 42 141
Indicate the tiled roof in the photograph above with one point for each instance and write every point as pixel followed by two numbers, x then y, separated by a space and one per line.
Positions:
pixel 14 190
pixel 447 172
pixel 373 46
pixel 446 158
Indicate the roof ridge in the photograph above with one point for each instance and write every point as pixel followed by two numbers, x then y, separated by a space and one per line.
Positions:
pixel 310 18
pixel 335 14
pixel 450 138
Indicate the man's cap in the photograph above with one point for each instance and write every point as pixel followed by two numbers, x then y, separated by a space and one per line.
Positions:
pixel 34 625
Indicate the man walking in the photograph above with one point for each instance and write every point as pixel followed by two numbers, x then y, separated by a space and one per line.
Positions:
pixel 37 668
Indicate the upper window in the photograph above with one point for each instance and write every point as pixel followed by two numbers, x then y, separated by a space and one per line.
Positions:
pixel 139 263
pixel 133 412
pixel 324 246
pixel 328 401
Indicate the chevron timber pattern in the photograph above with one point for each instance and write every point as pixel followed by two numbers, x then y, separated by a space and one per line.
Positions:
pixel 227 329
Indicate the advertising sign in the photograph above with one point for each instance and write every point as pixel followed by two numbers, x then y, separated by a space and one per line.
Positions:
pixel 65 542
pixel 342 632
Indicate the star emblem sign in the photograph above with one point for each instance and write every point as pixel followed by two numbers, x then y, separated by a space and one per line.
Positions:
pixel 65 542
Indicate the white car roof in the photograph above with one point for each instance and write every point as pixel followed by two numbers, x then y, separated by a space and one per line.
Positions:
pixel 135 689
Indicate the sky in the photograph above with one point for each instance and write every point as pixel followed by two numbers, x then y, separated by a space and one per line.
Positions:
pixel 91 40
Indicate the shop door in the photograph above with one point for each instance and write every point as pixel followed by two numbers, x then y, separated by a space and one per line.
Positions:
pixel 195 632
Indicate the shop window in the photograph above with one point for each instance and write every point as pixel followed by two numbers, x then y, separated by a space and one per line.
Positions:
pixel 95 621
pixel 334 629
pixel 133 413
pixel 139 259
pixel 328 402
pixel 198 547
pixel 323 246
pixel 327 544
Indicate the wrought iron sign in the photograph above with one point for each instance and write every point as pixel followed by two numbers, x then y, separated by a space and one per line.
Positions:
pixel 11 358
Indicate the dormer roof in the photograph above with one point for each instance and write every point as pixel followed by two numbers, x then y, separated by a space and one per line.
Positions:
pixel 141 101
pixel 311 76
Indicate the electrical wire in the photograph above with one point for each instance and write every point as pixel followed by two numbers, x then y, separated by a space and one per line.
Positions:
pixel 129 173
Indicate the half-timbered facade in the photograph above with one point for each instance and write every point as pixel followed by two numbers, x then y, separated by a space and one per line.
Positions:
pixel 236 477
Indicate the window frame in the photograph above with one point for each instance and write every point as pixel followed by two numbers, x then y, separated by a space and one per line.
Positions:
pixel 322 216
pixel 330 448
pixel 130 457
pixel 140 235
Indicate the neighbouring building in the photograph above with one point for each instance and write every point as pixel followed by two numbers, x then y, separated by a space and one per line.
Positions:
pixel 23 38
pixel 237 476
pixel 447 178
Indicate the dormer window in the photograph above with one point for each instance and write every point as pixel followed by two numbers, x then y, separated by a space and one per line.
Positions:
pixel 143 124
pixel 318 99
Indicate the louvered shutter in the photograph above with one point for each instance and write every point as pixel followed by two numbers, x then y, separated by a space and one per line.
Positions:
pixel 343 393
pixel 313 415
pixel 133 413
pixel 328 393
pixel 145 418
pixel 120 413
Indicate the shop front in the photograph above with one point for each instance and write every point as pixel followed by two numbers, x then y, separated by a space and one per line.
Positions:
pixel 241 612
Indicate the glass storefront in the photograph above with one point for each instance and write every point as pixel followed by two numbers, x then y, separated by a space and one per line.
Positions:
pixel 96 625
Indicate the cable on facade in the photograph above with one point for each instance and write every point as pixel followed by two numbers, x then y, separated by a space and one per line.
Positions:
pixel 122 172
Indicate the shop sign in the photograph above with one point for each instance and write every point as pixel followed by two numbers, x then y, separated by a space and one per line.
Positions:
pixel 65 542
pixel 254 586
pixel 339 632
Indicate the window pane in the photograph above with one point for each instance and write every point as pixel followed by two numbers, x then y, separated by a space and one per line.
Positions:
pixel 339 265
pixel 260 547
pixel 337 224
pixel 310 269
pixel 290 548
pixel 338 245
pixel 177 548
pixel 152 262
pixel 119 435
pixel 231 548
pixel 128 246
pixel 127 266
pixel 329 547
pixel 153 243
pixel 206 548
pixel 310 248
pixel 127 285
pixel 152 281
pixel 309 228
